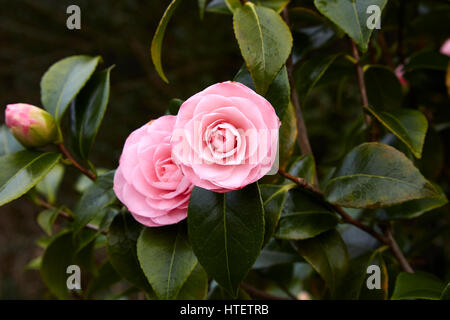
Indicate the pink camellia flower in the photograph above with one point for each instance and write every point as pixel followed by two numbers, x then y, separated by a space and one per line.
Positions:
pixel 30 125
pixel 445 49
pixel 147 181
pixel 225 137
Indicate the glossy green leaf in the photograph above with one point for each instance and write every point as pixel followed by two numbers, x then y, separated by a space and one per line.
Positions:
pixel 431 60
pixel 384 91
pixel 310 72
pixel 328 255
pixel 273 255
pixel 304 167
pixel 58 255
pixel 278 93
pixel 418 285
pixel 446 293
pixel 304 217
pixel 22 170
pixel 174 106
pixel 46 219
pixel 414 208
pixel 121 247
pixel 107 276
pixel 49 186
pixel 351 16
pixel 287 136
pixel 62 82
pixel 273 197
pixel 265 42
pixel 8 144
pixel 233 4
pixel 375 175
pixel 196 285
pixel 87 111
pixel 167 259
pixel 356 275
pixel 217 293
pixel 277 5
pixel 97 197
pixel 218 6
pixel 158 38
pixel 226 231
pixel 410 126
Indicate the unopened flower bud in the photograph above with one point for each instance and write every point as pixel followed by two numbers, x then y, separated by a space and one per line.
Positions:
pixel 30 125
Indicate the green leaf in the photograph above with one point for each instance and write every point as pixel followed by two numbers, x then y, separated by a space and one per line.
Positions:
pixel 384 91
pixel 357 273
pixel 265 42
pixel 46 219
pixel 167 259
pixel 196 285
pixel 328 255
pixel 375 175
pixel 97 197
pixel 414 208
pixel 226 231
pixel 310 72
pixel 418 285
pixel 107 276
pixel 121 247
pixel 304 217
pixel 277 5
pixel 304 167
pixel 87 111
pixel 34 264
pixel 278 93
pixel 233 4
pixel 8 144
pixel 273 255
pixel 287 136
pixel 218 6
pixel 201 8
pixel 159 37
pixel 62 82
pixel 58 255
pixel 50 184
pixel 174 106
pixel 410 126
pixel 22 170
pixel 431 60
pixel 351 16
pixel 274 197
pixel 446 293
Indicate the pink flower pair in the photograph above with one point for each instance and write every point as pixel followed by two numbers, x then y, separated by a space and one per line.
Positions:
pixel 223 138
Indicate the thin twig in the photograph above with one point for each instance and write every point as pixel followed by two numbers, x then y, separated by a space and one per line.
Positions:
pixel 346 218
pixel 64 214
pixel 361 82
pixel 397 251
pixel 66 153
pixel 256 293
pixel 303 141
pixel 386 239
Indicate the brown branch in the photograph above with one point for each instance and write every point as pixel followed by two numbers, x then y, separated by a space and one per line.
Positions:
pixel 63 213
pixel 256 293
pixel 387 239
pixel 66 153
pixel 302 139
pixel 396 250
pixel 361 82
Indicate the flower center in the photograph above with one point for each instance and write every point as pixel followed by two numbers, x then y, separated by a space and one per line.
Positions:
pixel 166 170
pixel 223 140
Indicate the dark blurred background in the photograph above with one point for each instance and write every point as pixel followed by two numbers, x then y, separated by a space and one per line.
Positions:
pixel 33 35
